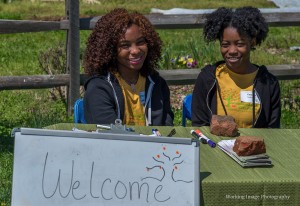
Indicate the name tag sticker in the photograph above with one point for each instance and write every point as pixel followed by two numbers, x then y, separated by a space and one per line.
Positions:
pixel 246 96
pixel 142 97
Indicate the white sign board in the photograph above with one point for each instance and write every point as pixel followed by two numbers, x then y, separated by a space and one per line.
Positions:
pixel 54 167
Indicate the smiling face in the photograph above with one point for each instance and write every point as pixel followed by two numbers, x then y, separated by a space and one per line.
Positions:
pixel 132 50
pixel 235 50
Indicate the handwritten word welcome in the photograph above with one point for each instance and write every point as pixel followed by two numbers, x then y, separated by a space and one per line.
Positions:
pixel 108 190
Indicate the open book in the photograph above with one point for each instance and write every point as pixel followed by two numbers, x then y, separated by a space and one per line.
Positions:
pixel 245 161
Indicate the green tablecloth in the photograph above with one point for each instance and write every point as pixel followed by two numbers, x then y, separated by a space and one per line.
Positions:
pixel 225 182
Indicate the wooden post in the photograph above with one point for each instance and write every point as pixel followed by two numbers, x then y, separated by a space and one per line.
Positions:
pixel 73 50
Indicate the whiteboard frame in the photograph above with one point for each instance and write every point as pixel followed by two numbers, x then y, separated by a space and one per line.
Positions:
pixel 125 137
pixel 112 136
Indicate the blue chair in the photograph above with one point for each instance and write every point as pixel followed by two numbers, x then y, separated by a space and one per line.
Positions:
pixel 79 112
pixel 186 109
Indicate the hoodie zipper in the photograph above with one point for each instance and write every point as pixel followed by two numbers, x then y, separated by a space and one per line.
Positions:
pixel 115 95
pixel 208 96
pixel 254 92
pixel 148 110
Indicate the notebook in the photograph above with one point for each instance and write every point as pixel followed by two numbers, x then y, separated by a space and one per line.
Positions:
pixel 245 161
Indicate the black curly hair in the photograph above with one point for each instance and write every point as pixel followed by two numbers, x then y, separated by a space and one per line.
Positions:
pixel 248 21
pixel 101 52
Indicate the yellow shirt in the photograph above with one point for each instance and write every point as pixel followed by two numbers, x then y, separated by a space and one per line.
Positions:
pixel 236 93
pixel 134 99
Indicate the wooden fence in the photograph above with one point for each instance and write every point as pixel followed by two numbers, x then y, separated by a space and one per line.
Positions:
pixel 73 24
pixel 173 77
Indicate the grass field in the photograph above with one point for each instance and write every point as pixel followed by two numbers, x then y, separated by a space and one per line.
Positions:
pixel 20 55
pixel 39 9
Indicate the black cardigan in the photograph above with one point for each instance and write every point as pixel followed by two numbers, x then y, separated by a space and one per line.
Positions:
pixel 104 100
pixel 204 101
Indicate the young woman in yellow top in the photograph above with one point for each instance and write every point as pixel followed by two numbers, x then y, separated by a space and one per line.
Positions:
pixel 236 86
pixel 121 58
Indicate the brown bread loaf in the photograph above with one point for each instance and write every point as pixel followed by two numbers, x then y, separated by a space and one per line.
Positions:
pixel 223 126
pixel 249 145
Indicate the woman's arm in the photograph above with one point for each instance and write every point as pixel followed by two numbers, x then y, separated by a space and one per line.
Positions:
pixel 275 107
pixel 99 103
pixel 200 111
pixel 167 105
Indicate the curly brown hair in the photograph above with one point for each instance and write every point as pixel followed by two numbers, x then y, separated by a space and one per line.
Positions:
pixel 101 51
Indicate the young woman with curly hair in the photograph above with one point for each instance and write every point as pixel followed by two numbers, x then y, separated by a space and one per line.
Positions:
pixel 122 54
pixel 235 86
